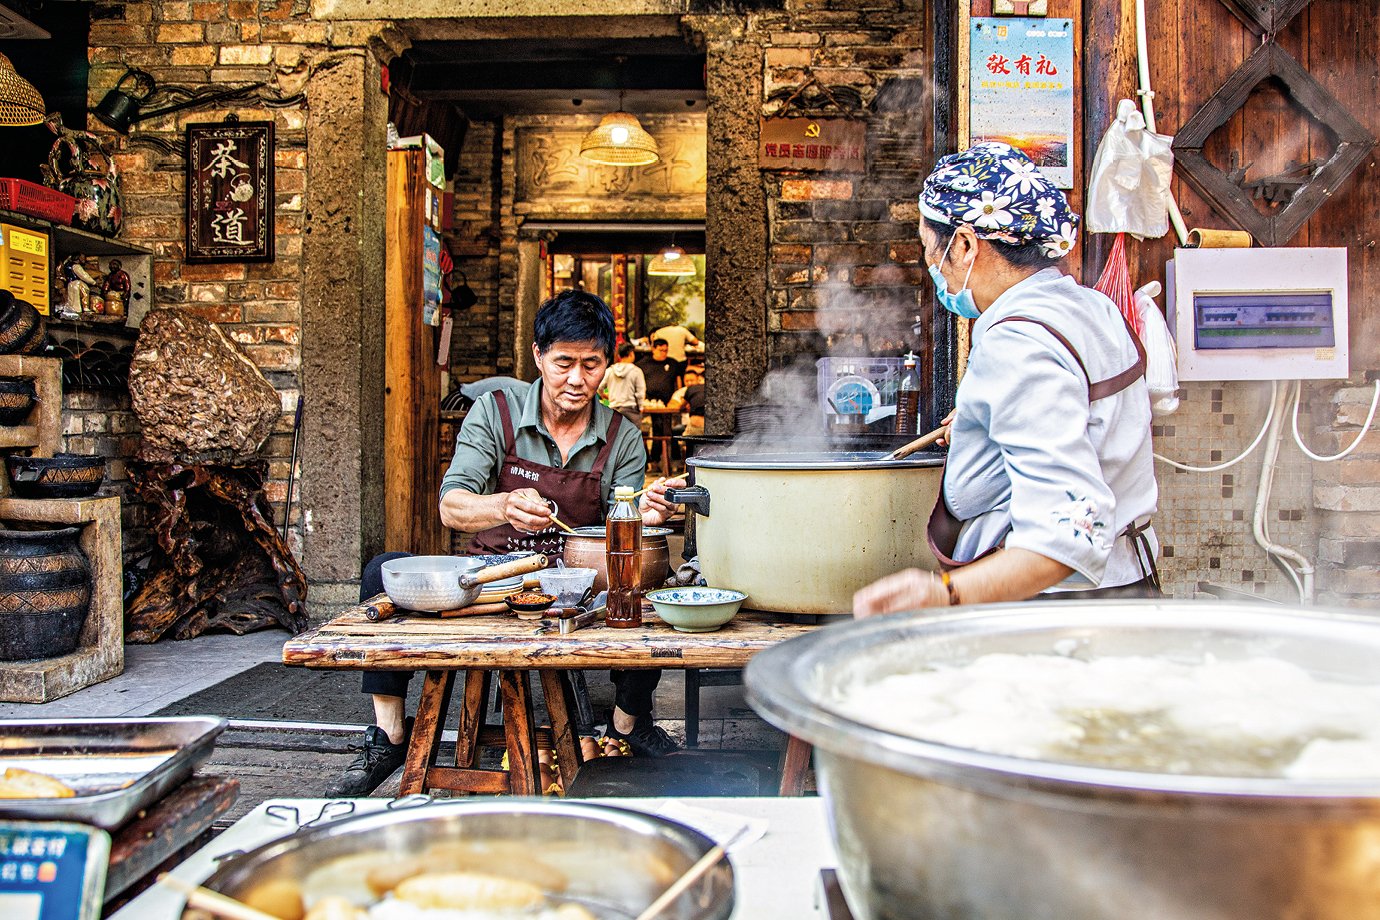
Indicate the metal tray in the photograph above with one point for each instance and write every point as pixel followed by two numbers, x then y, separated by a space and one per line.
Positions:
pixel 116 766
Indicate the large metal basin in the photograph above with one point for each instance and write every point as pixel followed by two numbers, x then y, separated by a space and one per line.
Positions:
pixel 930 832
pixel 799 533
pixel 614 861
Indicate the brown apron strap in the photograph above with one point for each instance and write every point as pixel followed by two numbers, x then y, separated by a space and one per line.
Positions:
pixel 509 439
pixel 941 533
pixel 607 449
pixel 1100 389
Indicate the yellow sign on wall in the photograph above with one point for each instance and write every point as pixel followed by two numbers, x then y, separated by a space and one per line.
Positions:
pixel 816 144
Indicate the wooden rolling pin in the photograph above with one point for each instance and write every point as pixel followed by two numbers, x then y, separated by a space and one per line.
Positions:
pixel 920 443
pixel 382 610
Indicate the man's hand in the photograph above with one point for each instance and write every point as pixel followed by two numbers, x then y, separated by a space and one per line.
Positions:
pixel 909 589
pixel 526 510
pixel 656 509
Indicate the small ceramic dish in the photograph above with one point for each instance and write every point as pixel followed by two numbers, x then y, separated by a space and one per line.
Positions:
pixel 529 605
pixel 696 609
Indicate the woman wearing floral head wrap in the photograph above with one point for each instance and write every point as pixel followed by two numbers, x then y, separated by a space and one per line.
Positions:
pixel 1049 485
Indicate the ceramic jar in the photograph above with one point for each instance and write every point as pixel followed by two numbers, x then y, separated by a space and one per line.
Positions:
pixel 45 592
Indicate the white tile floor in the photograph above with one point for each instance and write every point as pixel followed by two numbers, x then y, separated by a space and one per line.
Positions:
pixel 156 675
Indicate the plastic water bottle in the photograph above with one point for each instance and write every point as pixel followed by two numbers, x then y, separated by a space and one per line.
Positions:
pixel 908 398
pixel 624 541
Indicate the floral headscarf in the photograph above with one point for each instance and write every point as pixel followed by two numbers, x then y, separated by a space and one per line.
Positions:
pixel 1001 194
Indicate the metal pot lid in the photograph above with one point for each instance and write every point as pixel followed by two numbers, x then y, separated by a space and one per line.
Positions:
pixel 598 530
pixel 815 460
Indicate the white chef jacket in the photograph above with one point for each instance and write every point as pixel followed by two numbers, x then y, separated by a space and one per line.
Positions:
pixel 1030 459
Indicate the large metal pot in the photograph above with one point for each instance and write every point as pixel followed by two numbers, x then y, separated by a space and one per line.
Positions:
pixel 925 830
pixel 801 532
pixel 614 861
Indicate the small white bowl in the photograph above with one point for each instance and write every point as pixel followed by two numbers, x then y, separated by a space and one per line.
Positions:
pixel 696 609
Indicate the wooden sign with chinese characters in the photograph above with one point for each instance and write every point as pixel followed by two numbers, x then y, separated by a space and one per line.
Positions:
pixel 818 144
pixel 230 192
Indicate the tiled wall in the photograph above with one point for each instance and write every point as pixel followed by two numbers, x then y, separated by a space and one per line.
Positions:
pixel 1204 521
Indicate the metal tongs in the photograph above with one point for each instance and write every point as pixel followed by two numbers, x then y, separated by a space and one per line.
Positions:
pixel 583 614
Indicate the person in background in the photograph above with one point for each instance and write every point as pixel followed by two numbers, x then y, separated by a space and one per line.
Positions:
pixel 1049 485
pixel 661 372
pixel 676 338
pixel 690 400
pixel 625 385
pixel 522 456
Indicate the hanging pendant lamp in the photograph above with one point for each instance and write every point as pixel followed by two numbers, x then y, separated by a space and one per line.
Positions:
pixel 620 140
pixel 20 103
pixel 671 261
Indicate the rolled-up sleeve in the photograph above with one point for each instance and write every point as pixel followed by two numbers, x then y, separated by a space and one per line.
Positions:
pixel 1037 411
pixel 478 450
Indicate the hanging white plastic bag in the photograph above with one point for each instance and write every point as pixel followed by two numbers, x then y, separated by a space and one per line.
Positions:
pixel 1161 357
pixel 1128 189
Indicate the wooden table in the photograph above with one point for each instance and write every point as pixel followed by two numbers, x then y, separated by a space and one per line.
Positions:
pixel 663 418
pixel 514 648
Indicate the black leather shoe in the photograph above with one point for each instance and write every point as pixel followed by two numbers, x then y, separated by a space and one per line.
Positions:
pixel 647 739
pixel 375 761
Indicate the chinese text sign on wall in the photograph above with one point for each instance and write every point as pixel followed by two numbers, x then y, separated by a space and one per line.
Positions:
pixel 1021 89
pixel 230 192
pixel 819 144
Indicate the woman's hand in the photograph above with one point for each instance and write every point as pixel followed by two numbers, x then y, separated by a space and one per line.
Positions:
pixel 526 510
pixel 656 509
pixel 908 589
pixel 943 440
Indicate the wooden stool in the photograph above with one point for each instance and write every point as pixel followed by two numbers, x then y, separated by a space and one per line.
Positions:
pixel 420 770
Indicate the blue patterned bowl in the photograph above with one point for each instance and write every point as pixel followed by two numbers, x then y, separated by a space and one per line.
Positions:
pixel 696 609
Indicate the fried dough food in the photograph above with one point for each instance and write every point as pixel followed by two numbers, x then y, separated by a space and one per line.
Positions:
pixel 18 783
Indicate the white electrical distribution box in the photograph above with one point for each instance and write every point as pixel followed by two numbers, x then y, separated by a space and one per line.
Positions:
pixel 1259 314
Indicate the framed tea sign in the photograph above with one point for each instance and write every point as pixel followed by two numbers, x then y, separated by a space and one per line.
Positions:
pixel 230 192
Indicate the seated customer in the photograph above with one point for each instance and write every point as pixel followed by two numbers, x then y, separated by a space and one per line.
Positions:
pixel 690 400
pixel 520 457
pixel 625 385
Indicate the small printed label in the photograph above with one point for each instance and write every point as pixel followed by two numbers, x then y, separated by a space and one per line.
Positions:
pixel 1324 354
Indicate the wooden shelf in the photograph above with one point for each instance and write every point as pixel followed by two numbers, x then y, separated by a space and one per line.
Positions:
pixel 100 652
pixel 69 239
pixel 43 433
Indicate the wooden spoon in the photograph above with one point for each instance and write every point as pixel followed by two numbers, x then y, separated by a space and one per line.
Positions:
pixel 213 901
pixel 925 440
pixel 692 875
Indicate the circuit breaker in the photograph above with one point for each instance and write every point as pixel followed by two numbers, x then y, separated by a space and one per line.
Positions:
pixel 1260 314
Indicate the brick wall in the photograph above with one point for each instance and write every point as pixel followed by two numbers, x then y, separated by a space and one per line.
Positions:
pixel 474 243
pixel 844 274
pixel 225 43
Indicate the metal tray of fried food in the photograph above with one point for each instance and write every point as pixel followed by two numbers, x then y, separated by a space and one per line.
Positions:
pixel 115 767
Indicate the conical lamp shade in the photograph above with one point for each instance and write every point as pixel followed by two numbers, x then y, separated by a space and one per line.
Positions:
pixel 20 103
pixel 671 261
pixel 619 141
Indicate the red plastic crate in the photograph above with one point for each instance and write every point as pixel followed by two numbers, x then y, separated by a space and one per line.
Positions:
pixel 36 200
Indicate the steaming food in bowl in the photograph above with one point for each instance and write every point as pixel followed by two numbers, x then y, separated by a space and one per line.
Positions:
pixel 1255 717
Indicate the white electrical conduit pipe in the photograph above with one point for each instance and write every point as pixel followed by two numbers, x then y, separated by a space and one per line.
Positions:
pixel 1269 417
pixel 1299 569
pixel 1147 104
pixel 1370 417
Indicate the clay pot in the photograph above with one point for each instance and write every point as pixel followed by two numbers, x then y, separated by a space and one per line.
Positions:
pixel 62 476
pixel 23 330
pixel 17 396
pixel 586 548
pixel 45 592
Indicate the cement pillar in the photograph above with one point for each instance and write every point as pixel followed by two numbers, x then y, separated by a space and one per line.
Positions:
pixel 342 328
pixel 735 221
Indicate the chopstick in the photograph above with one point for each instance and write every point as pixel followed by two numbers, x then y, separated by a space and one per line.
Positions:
pixel 214 902
pixel 561 524
pixel 925 440
pixel 692 875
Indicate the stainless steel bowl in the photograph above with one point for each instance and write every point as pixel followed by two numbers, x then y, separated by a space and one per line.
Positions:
pixel 925 830
pixel 614 861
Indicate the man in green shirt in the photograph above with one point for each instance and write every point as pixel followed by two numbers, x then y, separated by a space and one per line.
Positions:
pixel 522 456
